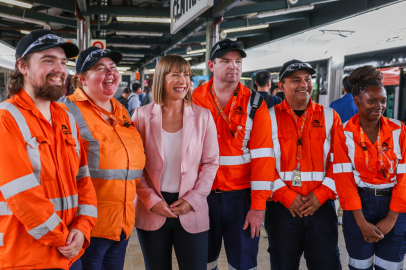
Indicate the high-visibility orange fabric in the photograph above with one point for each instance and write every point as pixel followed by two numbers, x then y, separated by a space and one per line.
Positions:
pixel 31 225
pixel 350 169
pixel 315 165
pixel 246 161
pixel 116 160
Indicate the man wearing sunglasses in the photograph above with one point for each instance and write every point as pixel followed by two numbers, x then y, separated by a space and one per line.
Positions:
pixel 244 179
pixel 301 218
pixel 47 202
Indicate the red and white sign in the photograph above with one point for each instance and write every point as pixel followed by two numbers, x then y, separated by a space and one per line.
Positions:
pixel 391 76
pixel 145 83
pixel 100 43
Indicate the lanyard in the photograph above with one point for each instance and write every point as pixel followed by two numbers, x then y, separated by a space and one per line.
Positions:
pixel 227 119
pixel 112 117
pixel 299 131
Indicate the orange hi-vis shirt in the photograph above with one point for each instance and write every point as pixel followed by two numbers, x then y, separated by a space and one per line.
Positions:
pixel 316 164
pixel 45 188
pixel 351 171
pixel 246 161
pixel 116 159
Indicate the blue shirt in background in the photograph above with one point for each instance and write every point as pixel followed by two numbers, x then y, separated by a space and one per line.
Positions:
pixel 273 100
pixel 345 107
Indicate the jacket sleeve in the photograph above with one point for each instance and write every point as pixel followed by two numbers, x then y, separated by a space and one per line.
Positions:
pixel 21 189
pixel 343 173
pixel 262 158
pixel 282 193
pixel 87 201
pixel 327 190
pixel 398 201
pixel 209 165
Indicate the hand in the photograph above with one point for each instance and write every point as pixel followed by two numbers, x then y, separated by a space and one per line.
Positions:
pixel 180 207
pixel 254 219
pixel 311 204
pixel 296 204
pixel 369 231
pixel 162 209
pixel 74 243
pixel 386 224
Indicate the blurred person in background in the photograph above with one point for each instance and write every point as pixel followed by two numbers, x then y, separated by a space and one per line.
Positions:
pixel 263 82
pixel 345 106
pixel 133 98
pixel 124 96
pixel 148 96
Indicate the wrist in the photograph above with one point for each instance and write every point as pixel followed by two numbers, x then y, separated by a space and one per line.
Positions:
pixel 392 215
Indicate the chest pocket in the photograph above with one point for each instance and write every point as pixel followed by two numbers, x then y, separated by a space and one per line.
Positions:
pixel 239 123
pixel 317 138
pixel 287 143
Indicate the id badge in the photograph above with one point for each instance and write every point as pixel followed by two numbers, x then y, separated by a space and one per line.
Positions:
pixel 296 178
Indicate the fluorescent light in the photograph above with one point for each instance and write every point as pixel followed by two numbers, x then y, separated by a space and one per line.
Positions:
pixel 17 3
pixel 192 55
pixel 132 55
pixel 25 32
pixel 123 68
pixel 151 70
pixel 245 78
pixel 143 19
pixel 131 59
pixel 119 45
pixel 196 51
pixel 18 18
pixel 246 28
pixel 72 64
pixel 284 11
pixel 121 72
pixel 134 33
pixel 188 58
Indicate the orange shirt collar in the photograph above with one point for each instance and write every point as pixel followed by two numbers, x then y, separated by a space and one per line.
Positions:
pixel 80 95
pixel 243 89
pixel 24 101
pixel 313 106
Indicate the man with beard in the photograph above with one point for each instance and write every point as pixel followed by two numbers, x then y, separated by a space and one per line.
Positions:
pixel 47 201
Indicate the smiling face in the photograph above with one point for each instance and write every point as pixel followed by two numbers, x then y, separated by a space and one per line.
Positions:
pixel 101 80
pixel 371 103
pixel 176 85
pixel 298 88
pixel 227 68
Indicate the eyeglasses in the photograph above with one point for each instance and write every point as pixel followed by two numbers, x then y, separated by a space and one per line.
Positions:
pixel 296 67
pixel 93 56
pixel 49 39
pixel 227 44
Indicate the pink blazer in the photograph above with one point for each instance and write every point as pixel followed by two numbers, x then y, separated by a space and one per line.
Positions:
pixel 199 147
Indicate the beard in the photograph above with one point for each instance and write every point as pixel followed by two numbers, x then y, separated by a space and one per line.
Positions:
pixel 49 92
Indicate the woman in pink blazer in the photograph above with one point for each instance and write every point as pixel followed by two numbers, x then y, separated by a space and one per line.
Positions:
pixel 181 148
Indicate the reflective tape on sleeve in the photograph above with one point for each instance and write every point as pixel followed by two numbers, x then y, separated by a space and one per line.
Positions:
pixel 401 168
pixel 83 172
pixel 328 182
pixel 262 152
pixel 342 168
pixel 87 210
pixel 261 185
pixel 278 184
pixel 44 228
pixel 235 160
pixel 4 209
pixel 65 203
pixel 19 185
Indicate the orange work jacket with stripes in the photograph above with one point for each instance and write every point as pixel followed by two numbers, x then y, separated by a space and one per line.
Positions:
pixel 45 188
pixel 316 167
pixel 246 161
pixel 351 170
pixel 116 159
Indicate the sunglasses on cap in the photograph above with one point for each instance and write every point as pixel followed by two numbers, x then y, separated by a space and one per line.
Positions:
pixel 296 67
pixel 49 39
pixel 226 44
pixel 93 56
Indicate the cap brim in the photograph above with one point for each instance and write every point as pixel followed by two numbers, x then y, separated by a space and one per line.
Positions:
pixel 70 49
pixel 290 73
pixel 115 56
pixel 220 53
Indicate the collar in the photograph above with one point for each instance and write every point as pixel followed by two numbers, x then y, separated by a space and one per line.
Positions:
pixel 243 89
pixel 80 95
pixel 24 101
pixel 314 106
pixel 187 110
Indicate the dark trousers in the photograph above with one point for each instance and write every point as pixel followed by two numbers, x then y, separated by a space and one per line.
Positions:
pixel 105 254
pixel 289 237
pixel 75 266
pixel 388 252
pixel 156 246
pixel 227 212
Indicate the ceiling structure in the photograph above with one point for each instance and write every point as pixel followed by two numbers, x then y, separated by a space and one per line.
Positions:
pixel 142 42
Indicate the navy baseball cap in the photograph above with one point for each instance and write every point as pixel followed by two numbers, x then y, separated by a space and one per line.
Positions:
pixel 224 46
pixel 292 66
pixel 92 55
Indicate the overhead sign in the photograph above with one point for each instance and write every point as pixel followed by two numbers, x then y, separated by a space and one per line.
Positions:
pixel 185 11
pixel 101 43
pixel 391 76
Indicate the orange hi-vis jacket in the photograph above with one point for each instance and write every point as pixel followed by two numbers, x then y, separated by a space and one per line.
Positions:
pixel 45 188
pixel 351 171
pixel 316 164
pixel 246 161
pixel 116 160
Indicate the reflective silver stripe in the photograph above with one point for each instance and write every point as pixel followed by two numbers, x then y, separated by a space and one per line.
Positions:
pixel 87 210
pixel 305 176
pixel 401 168
pixel 361 264
pixel 328 182
pixel 4 209
pixel 278 184
pixel 212 265
pixel 384 264
pixel 342 168
pixel 65 203
pixel 328 120
pixel 1 240
pixel 275 139
pixel 83 172
pixel 262 152
pixel 248 129
pixel 396 138
pixel 115 174
pixel 363 184
pixel 235 160
pixel 261 185
pixel 349 141
pixel 332 157
pixel 19 185
pixel 72 123
pixel 31 142
pixel 44 228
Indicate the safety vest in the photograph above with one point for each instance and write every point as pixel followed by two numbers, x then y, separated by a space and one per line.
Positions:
pixel 351 170
pixel 116 160
pixel 246 161
pixel 45 186
pixel 316 164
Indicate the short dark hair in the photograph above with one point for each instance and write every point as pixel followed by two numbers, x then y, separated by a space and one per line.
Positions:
pixel 347 85
pixel 127 90
pixel 135 87
pixel 262 78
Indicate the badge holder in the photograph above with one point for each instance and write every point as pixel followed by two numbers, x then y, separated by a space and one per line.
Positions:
pixel 296 177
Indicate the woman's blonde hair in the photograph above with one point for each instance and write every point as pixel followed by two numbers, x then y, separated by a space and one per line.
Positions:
pixel 165 66
pixel 75 81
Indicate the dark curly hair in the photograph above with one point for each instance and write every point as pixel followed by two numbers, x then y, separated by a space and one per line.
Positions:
pixel 363 77
pixel 16 79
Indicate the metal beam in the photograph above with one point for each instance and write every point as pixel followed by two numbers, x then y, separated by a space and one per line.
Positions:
pixel 65 6
pixel 82 6
pixel 134 51
pixel 149 41
pixel 223 7
pixel 274 19
pixel 133 27
pixel 130 11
